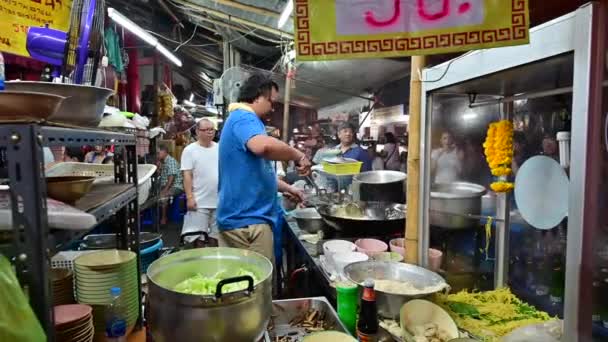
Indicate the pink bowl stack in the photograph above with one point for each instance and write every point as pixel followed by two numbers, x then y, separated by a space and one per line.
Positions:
pixel 371 247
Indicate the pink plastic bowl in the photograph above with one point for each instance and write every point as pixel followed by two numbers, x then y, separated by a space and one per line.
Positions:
pixel 371 246
pixel 398 246
pixel 435 259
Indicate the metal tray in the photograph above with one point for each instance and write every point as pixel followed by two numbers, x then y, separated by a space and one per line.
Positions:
pixel 285 311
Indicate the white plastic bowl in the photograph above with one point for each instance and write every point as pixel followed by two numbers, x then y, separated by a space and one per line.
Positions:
pixel 344 259
pixel 332 247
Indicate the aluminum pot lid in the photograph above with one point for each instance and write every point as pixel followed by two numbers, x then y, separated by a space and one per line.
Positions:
pixel 541 192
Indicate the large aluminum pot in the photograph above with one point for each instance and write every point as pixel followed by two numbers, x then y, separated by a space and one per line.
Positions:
pixel 235 316
pixel 452 202
pixel 389 304
pixel 83 105
pixel 380 186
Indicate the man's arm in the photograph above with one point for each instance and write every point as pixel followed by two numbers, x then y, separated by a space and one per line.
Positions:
pixel 188 184
pixel 273 149
pixel 291 192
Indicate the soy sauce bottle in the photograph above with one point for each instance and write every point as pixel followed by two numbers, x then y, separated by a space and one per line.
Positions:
pixel 367 324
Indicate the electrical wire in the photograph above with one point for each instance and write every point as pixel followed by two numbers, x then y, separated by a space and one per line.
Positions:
pixel 188 40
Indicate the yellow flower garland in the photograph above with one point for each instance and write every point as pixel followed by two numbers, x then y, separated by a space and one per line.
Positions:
pixel 498 149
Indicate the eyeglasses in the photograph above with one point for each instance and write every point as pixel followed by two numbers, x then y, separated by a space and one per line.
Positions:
pixel 206 129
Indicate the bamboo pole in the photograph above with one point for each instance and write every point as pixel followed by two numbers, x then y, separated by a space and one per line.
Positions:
pixel 413 161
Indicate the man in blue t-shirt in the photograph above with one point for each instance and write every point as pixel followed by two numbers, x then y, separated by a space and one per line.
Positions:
pixel 350 149
pixel 248 185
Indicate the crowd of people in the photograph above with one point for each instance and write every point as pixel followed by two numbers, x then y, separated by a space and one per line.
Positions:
pixel 231 186
pixel 463 160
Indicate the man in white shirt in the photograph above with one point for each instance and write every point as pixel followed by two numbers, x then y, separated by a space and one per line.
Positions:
pixel 200 167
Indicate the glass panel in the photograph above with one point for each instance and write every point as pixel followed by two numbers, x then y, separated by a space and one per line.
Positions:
pixel 458 130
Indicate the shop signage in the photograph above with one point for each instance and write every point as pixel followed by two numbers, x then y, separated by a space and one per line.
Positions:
pixel 18 15
pixel 381 116
pixel 343 29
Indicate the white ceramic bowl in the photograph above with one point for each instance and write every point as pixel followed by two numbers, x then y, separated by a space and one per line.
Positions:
pixel 332 247
pixel 344 259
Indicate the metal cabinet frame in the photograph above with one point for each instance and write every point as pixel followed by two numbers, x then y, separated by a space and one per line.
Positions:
pixel 22 145
pixel 583 33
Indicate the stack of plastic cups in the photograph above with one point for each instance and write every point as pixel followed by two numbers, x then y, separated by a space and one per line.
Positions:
pixel 348 299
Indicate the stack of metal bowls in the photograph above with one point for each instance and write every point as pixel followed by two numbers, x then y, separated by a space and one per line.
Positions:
pixel 63 287
pixel 96 273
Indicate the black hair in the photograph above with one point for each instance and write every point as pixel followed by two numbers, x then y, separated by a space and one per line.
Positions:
pixel 255 86
pixel 75 152
pixel 390 138
pixel 163 148
pixel 345 125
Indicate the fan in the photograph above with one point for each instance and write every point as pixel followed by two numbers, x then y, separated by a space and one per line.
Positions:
pixel 78 50
pixel 231 82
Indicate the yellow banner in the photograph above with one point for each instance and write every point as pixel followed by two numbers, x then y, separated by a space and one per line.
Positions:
pixel 344 29
pixel 16 17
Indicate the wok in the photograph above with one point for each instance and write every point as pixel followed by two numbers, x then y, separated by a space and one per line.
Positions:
pixel 379 218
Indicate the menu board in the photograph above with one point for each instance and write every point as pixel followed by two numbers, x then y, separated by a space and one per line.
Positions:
pixel 342 29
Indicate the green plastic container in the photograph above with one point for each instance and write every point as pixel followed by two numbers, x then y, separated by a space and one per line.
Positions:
pixel 348 301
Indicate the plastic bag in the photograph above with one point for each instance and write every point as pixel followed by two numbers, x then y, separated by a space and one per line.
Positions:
pixel 550 331
pixel 17 320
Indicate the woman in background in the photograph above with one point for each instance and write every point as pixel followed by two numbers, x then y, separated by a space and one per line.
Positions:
pixel 391 152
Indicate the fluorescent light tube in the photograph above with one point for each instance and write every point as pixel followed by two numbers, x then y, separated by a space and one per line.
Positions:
pixel 286 13
pixel 163 50
pixel 131 27
pixel 142 34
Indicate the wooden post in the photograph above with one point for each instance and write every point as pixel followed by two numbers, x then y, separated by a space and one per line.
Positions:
pixel 286 100
pixel 413 161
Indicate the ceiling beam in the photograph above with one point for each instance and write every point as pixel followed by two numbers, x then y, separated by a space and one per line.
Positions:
pixel 228 17
pixel 248 8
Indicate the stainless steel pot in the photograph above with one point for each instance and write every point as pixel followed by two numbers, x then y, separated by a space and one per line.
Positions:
pixel 389 304
pixel 451 203
pixel 235 316
pixel 308 219
pixel 381 186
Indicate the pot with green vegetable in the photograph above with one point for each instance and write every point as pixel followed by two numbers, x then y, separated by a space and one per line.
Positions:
pixel 210 294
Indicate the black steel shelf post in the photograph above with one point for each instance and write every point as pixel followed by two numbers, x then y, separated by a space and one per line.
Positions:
pixel 25 163
pixel 132 214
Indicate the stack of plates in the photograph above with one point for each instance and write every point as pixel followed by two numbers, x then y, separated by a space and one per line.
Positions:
pixel 96 273
pixel 63 287
pixel 73 323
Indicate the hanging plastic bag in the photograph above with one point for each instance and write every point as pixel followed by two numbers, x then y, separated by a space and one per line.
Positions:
pixel 17 320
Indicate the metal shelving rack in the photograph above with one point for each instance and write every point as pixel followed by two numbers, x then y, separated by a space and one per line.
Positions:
pixel 33 242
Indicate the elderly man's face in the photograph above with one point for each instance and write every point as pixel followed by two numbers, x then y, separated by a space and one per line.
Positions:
pixel 346 136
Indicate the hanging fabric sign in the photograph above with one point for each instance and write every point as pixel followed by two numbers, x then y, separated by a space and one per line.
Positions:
pixel 343 29
pixel 18 15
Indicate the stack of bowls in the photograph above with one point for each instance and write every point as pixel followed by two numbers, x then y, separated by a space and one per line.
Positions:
pixel 73 323
pixel 371 247
pixel 96 273
pixel 63 287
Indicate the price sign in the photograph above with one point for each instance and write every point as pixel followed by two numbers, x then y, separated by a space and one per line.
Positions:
pixel 17 16
pixel 341 29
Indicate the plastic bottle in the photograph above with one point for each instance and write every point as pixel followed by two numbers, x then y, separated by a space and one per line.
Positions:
pixel 367 325
pixel 116 319
pixel 1 72
pixel 348 296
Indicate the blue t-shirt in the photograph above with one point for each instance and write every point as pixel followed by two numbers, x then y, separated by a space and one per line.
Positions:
pixel 247 183
pixel 358 153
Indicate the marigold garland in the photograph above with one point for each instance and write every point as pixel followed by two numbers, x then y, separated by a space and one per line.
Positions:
pixel 498 149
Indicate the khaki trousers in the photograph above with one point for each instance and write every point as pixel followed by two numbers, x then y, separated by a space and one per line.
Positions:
pixel 256 237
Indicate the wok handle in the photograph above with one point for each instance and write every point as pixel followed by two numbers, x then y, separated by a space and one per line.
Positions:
pixel 247 278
